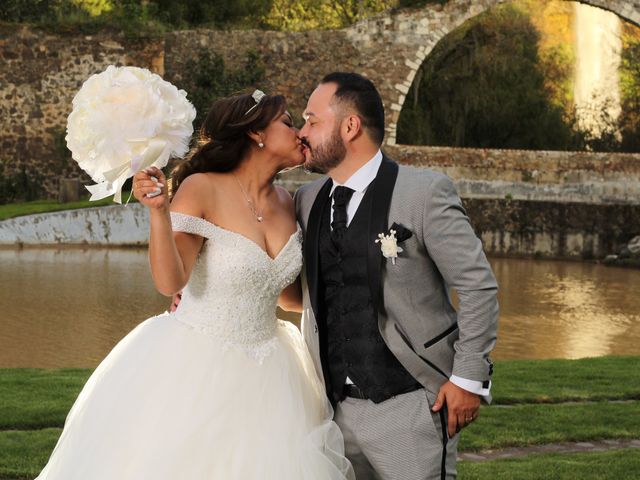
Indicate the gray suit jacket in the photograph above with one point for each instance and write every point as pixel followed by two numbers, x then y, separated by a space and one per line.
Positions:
pixel 415 315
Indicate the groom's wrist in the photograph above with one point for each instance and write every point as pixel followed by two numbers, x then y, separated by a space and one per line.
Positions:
pixel 479 388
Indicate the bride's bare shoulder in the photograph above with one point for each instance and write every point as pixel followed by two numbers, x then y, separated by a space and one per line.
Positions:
pixel 195 193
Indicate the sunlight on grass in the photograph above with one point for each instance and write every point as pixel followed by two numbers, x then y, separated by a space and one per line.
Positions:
pixel 13 210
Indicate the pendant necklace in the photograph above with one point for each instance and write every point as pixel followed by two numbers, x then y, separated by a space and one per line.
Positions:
pixel 258 215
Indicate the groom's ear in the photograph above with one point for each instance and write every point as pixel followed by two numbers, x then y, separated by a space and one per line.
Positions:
pixel 352 126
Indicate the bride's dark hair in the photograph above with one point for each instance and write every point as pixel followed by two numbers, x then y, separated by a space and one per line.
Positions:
pixel 223 139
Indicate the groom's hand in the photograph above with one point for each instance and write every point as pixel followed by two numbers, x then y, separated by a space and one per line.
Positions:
pixel 463 406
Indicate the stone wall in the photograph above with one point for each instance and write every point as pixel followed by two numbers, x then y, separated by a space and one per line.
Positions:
pixel 397 44
pixel 578 177
pixel 552 230
pixel 39 77
pixel 41 72
pixel 539 204
pixel 295 61
pixel 582 177
pixel 116 225
pixel 557 204
pixel 506 227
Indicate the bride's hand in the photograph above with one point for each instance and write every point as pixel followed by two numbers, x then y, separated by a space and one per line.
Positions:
pixel 150 188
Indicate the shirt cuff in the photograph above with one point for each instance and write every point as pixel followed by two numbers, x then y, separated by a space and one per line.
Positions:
pixel 472 386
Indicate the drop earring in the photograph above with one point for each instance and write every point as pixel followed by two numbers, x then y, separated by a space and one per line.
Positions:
pixel 261 145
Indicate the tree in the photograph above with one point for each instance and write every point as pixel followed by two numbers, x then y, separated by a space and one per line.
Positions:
pixel 211 12
pixel 209 79
pixel 482 86
pixel 299 15
pixel 630 91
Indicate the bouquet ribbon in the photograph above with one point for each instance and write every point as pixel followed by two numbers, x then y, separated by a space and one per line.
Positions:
pixel 116 177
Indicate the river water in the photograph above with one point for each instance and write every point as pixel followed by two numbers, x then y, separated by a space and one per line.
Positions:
pixel 69 307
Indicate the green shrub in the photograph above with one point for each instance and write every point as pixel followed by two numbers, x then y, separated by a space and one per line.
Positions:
pixel 209 79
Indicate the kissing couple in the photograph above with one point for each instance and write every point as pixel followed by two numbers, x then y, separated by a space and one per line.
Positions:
pixel 385 373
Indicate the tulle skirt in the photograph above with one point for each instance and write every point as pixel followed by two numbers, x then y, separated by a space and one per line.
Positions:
pixel 170 402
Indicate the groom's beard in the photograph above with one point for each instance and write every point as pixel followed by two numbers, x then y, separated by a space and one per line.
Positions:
pixel 327 156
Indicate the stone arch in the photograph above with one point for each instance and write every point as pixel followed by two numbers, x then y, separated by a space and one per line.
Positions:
pixel 405 39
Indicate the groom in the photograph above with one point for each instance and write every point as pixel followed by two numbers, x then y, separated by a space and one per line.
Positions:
pixel 404 370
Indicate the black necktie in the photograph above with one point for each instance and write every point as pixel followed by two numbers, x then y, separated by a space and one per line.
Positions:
pixel 341 197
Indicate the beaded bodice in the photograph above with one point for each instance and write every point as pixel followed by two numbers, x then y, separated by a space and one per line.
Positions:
pixel 234 286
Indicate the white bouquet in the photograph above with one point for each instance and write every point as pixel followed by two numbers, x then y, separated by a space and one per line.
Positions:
pixel 124 120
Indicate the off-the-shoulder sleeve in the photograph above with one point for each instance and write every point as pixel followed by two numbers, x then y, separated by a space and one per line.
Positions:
pixel 181 222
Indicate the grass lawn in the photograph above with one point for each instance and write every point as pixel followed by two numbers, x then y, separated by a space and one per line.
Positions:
pixel 34 398
pixel 537 424
pixel 528 409
pixel 23 454
pixel 549 381
pixel 618 464
pixel 12 210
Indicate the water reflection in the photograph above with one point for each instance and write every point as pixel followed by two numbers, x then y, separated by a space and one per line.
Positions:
pixel 68 308
pixel 566 310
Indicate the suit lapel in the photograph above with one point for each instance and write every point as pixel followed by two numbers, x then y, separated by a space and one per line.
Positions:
pixel 311 244
pixel 378 223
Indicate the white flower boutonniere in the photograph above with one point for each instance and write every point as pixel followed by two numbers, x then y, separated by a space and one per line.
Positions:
pixel 389 245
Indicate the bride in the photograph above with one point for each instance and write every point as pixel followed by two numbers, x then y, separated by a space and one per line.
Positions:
pixel 220 388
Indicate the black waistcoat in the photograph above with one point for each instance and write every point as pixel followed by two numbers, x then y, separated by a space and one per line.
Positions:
pixel 354 345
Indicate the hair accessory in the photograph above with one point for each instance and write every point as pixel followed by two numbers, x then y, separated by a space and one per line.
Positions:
pixel 257 96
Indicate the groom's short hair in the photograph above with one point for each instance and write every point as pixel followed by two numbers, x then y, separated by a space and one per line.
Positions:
pixel 361 94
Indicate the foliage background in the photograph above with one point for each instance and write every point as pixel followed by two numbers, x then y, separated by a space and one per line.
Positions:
pixel 504 79
pixel 148 16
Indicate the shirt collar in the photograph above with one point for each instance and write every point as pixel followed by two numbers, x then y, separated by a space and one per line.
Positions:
pixel 361 179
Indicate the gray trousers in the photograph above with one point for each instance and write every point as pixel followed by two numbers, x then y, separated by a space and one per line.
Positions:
pixel 398 439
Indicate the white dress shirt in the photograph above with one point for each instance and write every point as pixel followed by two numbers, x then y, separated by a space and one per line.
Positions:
pixel 359 182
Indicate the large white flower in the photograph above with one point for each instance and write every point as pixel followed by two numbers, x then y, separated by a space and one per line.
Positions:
pixel 126 119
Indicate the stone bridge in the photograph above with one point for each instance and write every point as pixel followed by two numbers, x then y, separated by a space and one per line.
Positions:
pixel 396 45
pixel 41 72
pixel 549 195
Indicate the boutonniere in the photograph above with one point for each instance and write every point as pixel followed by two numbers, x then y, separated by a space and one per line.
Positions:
pixel 389 243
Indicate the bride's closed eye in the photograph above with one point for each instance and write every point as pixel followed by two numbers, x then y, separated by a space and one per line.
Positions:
pixel 287 120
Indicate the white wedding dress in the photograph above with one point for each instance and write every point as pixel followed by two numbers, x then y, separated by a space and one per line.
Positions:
pixel 220 389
